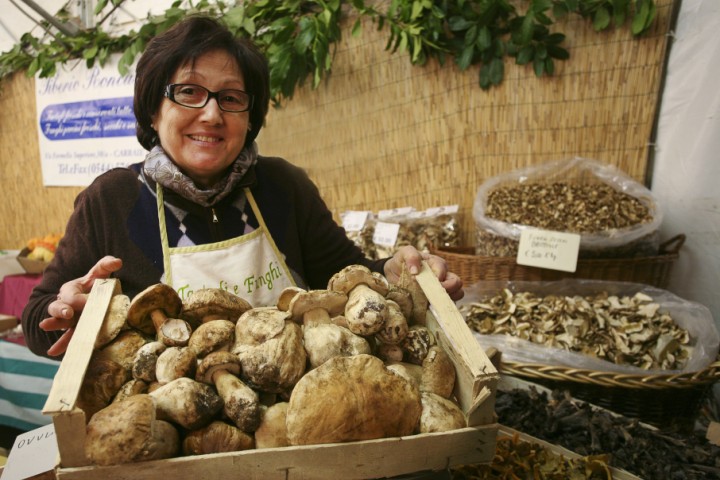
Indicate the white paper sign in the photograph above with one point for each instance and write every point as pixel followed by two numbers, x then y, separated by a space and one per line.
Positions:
pixel 548 249
pixel 86 123
pixel 386 234
pixel 33 453
pixel 354 221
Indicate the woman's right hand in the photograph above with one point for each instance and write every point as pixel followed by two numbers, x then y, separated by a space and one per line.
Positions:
pixel 65 310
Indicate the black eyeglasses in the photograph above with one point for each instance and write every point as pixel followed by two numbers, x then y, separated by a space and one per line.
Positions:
pixel 196 96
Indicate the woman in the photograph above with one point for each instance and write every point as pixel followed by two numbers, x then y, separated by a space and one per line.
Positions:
pixel 203 209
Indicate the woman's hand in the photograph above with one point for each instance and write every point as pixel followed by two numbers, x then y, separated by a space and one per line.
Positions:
pixel 409 256
pixel 65 311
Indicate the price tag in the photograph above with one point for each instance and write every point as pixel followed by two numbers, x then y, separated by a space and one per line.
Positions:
pixel 33 453
pixel 354 221
pixel 386 234
pixel 548 249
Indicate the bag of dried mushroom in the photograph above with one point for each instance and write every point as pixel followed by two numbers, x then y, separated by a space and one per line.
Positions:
pixel 382 234
pixel 592 324
pixel 616 216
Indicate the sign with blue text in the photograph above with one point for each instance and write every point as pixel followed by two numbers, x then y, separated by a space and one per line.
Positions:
pixel 86 124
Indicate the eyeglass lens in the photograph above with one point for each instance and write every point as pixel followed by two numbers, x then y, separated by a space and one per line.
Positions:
pixel 196 96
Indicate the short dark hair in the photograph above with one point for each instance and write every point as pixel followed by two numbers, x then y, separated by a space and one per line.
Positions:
pixel 183 44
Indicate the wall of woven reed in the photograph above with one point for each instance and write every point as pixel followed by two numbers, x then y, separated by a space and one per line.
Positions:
pixel 381 133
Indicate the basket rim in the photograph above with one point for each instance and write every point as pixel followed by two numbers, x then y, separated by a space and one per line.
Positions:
pixel 559 373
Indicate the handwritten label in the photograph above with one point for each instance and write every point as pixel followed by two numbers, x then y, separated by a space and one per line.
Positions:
pixel 548 249
pixel 33 453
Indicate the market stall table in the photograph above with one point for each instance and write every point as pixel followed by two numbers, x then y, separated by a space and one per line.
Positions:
pixel 15 291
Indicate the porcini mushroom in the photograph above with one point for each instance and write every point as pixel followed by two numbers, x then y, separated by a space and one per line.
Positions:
pixel 269 346
pixel 102 381
pixel 366 308
pixel 208 304
pixel 241 403
pixel 217 437
pixel 395 328
pixel 154 311
pixel 123 348
pixel 272 431
pixel 212 336
pixel 368 401
pixel 439 414
pixel 326 340
pixel 188 403
pixel 114 321
pixel 128 431
pixel 417 343
pixel 312 307
pixel 145 361
pixel 174 363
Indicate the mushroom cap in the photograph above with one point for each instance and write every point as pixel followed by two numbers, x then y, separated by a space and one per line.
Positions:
pixel 288 293
pixel 214 362
pixel 145 360
pixel 217 437
pixel 114 321
pixel 102 381
pixel 123 348
pixel 155 297
pixel 126 432
pixel 329 300
pixel 212 336
pixel 174 363
pixel 213 304
pixel 368 401
pixel 353 275
pixel 439 414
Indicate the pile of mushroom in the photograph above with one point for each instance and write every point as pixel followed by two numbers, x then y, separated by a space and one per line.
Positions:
pixel 213 374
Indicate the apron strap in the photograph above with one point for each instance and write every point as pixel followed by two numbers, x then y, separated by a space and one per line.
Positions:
pixel 163 234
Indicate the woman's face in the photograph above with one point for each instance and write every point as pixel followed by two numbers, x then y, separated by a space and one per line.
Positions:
pixel 203 142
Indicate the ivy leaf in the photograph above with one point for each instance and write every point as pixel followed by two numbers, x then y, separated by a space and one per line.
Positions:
pixel 644 15
pixel 557 52
pixel 357 28
pixel 601 20
pixel 465 58
pixel 525 55
pixel 491 73
pixel 484 40
pixel 538 66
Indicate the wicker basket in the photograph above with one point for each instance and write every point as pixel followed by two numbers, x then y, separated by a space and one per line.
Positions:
pixel 666 401
pixel 654 270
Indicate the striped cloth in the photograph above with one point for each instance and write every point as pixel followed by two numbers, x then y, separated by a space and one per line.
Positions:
pixel 25 381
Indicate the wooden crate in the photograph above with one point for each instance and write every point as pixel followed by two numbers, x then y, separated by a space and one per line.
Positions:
pixel 475 389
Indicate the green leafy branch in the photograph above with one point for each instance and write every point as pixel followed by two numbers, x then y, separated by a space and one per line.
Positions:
pixel 299 36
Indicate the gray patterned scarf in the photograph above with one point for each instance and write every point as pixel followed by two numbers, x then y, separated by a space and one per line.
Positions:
pixel 160 168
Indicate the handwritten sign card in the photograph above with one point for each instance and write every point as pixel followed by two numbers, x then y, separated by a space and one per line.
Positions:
pixel 548 249
pixel 33 453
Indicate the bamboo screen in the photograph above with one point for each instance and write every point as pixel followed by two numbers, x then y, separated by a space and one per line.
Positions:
pixel 381 133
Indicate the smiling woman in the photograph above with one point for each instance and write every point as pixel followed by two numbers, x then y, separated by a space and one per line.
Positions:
pixel 204 208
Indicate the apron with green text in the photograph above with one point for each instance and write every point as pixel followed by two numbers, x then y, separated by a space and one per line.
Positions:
pixel 250 266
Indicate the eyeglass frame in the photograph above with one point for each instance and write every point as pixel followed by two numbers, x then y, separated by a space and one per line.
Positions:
pixel 170 95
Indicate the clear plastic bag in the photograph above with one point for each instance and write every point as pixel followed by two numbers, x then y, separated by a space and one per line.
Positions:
pixel 500 238
pixel 691 316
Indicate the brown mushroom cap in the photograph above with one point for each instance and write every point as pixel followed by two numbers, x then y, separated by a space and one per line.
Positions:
pixel 114 321
pixel 217 437
pixel 156 297
pixel 174 363
pixel 128 431
pixel 286 296
pixel 213 304
pixel 123 348
pixel 188 403
pixel 145 361
pixel 330 301
pixel 439 414
pixel 353 275
pixel 368 401
pixel 102 381
pixel 212 336
pixel 216 362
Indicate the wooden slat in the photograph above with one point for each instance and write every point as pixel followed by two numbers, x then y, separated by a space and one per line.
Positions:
pixel 69 377
pixel 356 460
pixel 477 377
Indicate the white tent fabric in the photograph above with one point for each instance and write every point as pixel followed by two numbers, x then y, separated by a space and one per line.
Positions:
pixel 686 177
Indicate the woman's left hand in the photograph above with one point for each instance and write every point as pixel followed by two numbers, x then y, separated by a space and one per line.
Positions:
pixel 409 256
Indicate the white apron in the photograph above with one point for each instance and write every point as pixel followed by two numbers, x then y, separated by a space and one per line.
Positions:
pixel 250 266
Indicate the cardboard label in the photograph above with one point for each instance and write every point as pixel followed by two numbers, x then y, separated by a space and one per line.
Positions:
pixel 354 221
pixel 548 249
pixel 33 453
pixel 386 234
